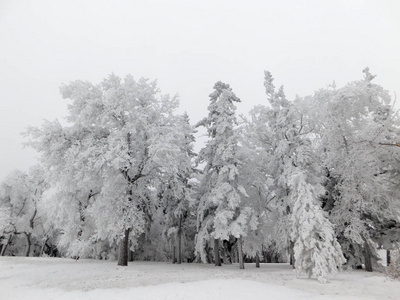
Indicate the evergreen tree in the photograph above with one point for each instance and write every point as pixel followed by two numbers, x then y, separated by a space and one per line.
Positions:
pixel 220 214
pixel 316 250
pixel 273 135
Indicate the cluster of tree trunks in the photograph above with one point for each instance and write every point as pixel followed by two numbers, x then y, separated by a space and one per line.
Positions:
pixel 124 253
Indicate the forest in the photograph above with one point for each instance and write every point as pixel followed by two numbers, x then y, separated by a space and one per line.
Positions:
pixel 312 181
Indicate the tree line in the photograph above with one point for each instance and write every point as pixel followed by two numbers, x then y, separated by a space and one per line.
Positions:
pixel 313 181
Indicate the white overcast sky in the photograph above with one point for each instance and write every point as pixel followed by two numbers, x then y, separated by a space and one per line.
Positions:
pixel 187 46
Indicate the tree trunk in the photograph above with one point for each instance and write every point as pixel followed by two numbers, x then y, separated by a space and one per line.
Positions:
pixel 367 256
pixel 3 250
pixel 268 257
pixel 257 260
pixel 217 259
pixel 291 252
pixel 180 241
pixel 209 255
pixel 42 248
pixel 123 249
pixel 28 246
pixel 173 254
pixel 240 253
pixel 227 252
pixel 388 257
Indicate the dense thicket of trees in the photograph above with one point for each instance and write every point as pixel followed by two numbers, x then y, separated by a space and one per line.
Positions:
pixel 312 181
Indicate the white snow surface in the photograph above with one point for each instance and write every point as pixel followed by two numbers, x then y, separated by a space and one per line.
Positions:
pixel 61 278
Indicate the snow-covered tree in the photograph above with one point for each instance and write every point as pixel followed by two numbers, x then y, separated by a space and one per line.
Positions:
pixel 353 126
pixel 176 191
pixel 117 141
pixel 273 135
pixel 170 231
pixel 220 213
pixel 20 195
pixel 69 204
pixel 278 140
pixel 316 250
pixel 253 176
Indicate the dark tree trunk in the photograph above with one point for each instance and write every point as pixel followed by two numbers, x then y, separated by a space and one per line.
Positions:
pixel 257 260
pixel 367 256
pixel 3 251
pixel 388 257
pixel 173 254
pixel 209 255
pixel 227 246
pixel 268 257
pixel 292 258
pixel 28 244
pixel 123 249
pixel 180 241
pixel 217 259
pixel 130 252
pixel 240 253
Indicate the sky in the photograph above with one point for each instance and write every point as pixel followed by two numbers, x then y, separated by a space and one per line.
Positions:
pixel 187 46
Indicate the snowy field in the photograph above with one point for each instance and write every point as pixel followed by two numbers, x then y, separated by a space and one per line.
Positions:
pixel 57 278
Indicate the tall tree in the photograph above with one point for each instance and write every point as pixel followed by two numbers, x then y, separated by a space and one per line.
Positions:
pixel 220 214
pixel 272 136
pixel 278 140
pixel 176 190
pixel 117 134
pixel 353 126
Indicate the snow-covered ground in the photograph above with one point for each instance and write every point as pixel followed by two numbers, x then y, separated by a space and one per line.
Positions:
pixel 58 278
